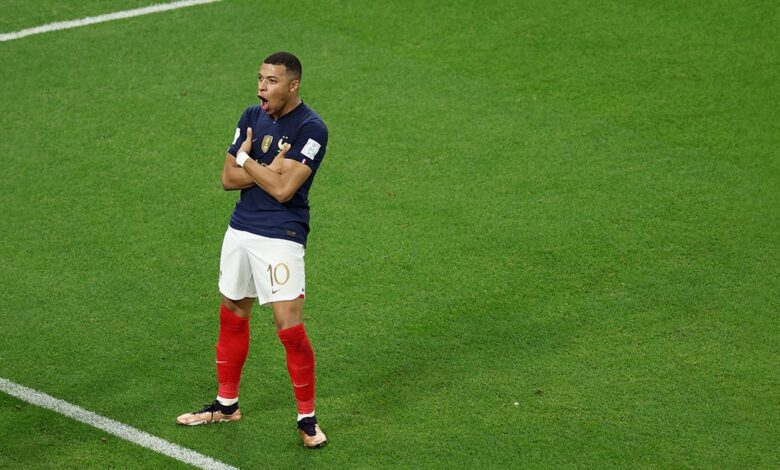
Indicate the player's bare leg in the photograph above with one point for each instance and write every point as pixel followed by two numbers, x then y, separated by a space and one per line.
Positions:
pixel 287 314
pixel 232 349
pixel 242 308
pixel 288 317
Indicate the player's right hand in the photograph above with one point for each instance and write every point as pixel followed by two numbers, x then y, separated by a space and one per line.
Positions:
pixel 277 164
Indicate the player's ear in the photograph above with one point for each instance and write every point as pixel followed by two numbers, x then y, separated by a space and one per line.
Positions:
pixel 294 85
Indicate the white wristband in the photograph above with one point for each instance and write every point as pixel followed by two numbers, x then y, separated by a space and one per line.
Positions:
pixel 242 158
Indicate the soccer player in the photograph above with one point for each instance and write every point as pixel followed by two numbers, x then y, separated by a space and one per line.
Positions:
pixel 277 149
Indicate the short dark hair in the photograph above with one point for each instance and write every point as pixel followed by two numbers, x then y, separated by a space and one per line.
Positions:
pixel 291 62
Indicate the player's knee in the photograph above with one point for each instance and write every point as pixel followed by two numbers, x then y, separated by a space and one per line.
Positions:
pixel 288 314
pixel 242 308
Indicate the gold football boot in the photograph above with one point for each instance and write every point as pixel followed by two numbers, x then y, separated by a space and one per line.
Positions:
pixel 213 413
pixel 311 434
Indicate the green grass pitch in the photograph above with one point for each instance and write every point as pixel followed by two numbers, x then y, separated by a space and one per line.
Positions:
pixel 545 234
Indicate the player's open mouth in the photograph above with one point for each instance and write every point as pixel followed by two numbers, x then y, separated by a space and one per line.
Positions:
pixel 263 103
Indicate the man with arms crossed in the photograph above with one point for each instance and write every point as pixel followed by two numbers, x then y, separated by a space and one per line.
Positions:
pixel 277 149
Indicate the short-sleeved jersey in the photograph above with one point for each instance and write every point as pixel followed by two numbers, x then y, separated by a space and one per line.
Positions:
pixel 257 211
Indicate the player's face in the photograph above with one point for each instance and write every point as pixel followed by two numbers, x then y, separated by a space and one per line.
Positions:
pixel 275 89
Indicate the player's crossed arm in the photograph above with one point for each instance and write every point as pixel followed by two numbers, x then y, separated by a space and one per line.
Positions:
pixel 233 175
pixel 281 179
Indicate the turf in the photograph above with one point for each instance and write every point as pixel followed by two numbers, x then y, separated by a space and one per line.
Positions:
pixel 545 234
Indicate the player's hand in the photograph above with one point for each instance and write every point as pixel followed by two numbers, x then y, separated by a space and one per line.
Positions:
pixel 278 163
pixel 246 146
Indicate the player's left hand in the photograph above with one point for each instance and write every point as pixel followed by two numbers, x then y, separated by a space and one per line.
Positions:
pixel 246 146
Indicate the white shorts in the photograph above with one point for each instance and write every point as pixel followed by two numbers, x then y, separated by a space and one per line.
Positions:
pixel 270 269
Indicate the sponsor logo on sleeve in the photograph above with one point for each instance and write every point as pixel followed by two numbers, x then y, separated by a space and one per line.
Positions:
pixel 311 148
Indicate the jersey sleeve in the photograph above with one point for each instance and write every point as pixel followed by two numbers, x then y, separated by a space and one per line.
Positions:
pixel 240 134
pixel 309 145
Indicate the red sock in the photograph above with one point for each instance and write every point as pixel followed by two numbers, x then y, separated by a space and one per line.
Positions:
pixel 300 365
pixel 232 348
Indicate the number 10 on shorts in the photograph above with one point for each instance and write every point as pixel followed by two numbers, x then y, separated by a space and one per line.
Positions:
pixel 278 274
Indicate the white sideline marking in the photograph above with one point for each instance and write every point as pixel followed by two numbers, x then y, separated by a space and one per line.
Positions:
pixel 110 426
pixel 102 18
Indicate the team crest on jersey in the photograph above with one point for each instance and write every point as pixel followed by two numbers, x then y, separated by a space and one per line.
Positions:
pixel 266 144
pixel 281 142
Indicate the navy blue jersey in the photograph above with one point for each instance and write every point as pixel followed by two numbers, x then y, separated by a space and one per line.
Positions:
pixel 257 211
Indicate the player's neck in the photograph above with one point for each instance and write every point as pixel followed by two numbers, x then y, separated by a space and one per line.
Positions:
pixel 289 107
